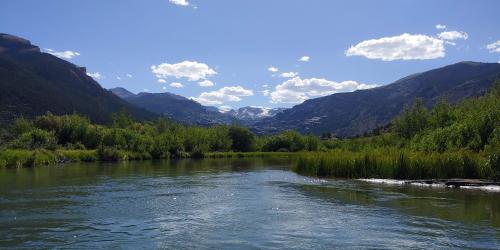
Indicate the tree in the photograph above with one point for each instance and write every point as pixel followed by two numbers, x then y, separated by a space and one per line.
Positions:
pixel 412 120
pixel 242 139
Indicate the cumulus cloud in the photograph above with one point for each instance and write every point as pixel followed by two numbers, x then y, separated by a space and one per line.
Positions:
pixel 440 26
pixel 289 74
pixel 162 81
pixel 453 35
pixel 494 47
pixel 176 85
pixel 129 75
pixel 95 75
pixel 266 92
pixel 297 90
pixel 206 83
pixel 273 69
pixel 180 2
pixel 225 94
pixel 305 59
pixel 68 54
pixel 118 78
pixel 402 47
pixel 192 70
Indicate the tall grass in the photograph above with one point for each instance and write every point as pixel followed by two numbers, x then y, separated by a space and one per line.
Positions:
pixel 245 154
pixel 27 158
pixel 397 164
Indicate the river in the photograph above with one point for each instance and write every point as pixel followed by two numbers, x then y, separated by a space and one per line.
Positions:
pixel 232 203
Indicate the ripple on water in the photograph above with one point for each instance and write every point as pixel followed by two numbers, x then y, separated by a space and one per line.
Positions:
pixel 238 207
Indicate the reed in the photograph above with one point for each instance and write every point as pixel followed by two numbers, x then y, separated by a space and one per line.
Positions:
pixel 391 163
pixel 246 154
pixel 27 158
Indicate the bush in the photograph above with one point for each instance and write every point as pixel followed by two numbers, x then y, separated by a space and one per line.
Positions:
pixel 242 139
pixel 35 139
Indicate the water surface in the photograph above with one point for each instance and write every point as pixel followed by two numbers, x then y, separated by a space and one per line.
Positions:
pixel 232 203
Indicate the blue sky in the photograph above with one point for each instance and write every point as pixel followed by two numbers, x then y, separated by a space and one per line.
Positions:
pixel 184 47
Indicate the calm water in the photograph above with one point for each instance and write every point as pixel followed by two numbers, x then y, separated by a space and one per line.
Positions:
pixel 241 203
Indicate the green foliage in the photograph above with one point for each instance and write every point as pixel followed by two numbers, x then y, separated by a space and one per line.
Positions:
pixel 122 119
pixel 27 158
pixel 394 164
pixel 290 141
pixel 35 139
pixel 412 120
pixel 242 140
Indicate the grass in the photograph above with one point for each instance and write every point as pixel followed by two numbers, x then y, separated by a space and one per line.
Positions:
pixel 396 164
pixel 15 158
pixel 246 154
pixel 27 158
pixel 77 155
pixel 375 163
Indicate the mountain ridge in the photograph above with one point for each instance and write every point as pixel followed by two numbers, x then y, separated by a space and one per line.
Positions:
pixel 358 112
pixel 34 83
pixel 175 107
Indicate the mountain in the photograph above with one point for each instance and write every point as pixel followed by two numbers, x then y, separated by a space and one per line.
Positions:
pixel 33 83
pixel 249 115
pixel 353 113
pixel 122 92
pixel 175 107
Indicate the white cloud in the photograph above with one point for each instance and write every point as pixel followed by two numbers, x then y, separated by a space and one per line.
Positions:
pixel 191 70
pixel 176 85
pixel 224 108
pixel 162 81
pixel 453 35
pixel 129 75
pixel 95 75
pixel 297 90
pixel 180 2
pixel 265 86
pixel 494 47
pixel 266 92
pixel 273 69
pixel 206 83
pixel 403 47
pixel 220 96
pixel 440 26
pixel 68 54
pixel 289 74
pixel 118 78
pixel 305 59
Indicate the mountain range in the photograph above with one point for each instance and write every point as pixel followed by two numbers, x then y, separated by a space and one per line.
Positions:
pixel 33 83
pixel 176 107
pixel 354 113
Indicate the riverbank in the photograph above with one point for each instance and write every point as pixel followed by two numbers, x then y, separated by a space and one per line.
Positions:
pixel 473 184
pixel 13 158
pixel 398 164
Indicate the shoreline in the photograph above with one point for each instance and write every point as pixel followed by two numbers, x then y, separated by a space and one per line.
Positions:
pixel 471 184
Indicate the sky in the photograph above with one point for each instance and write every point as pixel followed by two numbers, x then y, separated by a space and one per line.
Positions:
pixel 269 53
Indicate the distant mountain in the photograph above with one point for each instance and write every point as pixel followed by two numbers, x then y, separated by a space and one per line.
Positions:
pixel 348 114
pixel 250 115
pixel 32 83
pixel 122 92
pixel 175 107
